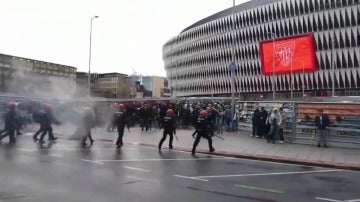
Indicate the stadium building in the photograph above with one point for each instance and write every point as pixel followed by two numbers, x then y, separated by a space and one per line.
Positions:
pixel 290 47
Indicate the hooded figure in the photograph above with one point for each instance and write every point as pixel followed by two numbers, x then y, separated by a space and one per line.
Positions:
pixel 88 122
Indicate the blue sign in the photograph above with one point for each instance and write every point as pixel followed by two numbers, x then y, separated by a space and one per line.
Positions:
pixel 233 67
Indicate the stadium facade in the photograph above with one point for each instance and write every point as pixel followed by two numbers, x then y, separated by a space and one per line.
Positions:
pixel 197 60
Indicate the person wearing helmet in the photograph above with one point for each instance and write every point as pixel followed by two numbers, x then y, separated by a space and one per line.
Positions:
pixel 169 128
pixel 47 120
pixel 10 123
pixel 120 120
pixel 88 124
pixel 202 131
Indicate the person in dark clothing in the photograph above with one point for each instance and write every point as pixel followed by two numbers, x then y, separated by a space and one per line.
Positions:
pixel 255 119
pixel 48 119
pixel 162 114
pixel 38 117
pixel 88 124
pixel 169 128
pixel 321 123
pixel 261 124
pixel 10 123
pixel 143 118
pixel 202 129
pixel 120 120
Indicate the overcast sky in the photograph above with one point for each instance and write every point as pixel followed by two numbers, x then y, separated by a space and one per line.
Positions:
pixel 127 35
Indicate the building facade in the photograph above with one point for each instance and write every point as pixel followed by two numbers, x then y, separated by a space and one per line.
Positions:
pixel 35 78
pixel 148 86
pixel 197 60
pixel 111 85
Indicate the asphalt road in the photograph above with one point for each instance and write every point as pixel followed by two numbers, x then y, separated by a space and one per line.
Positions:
pixel 65 172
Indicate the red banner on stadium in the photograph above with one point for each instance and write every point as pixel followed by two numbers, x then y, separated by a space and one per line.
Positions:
pixel 292 54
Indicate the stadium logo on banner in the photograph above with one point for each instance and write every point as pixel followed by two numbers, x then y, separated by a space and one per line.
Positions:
pixel 277 55
pixel 284 53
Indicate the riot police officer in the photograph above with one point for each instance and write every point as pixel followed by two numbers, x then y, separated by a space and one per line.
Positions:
pixel 120 120
pixel 169 128
pixel 47 120
pixel 10 123
pixel 202 130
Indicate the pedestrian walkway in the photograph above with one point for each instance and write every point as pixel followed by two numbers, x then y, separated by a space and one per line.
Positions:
pixel 236 144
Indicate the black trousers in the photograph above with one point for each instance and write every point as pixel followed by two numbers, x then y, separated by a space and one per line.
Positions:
pixel 10 133
pixel 199 135
pixel 120 130
pixel 47 129
pixel 41 129
pixel 165 133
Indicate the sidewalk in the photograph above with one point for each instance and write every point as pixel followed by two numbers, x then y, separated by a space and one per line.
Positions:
pixel 239 145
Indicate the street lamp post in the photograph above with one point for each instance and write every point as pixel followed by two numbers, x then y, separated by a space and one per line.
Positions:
pixel 233 65
pixel 89 76
pixel 273 36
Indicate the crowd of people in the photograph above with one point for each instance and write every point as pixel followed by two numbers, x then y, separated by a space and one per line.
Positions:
pixel 269 125
pixel 208 119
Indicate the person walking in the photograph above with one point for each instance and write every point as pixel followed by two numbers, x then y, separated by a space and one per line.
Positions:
pixel 321 122
pixel 10 123
pixel 202 130
pixel 120 121
pixel 88 124
pixel 169 128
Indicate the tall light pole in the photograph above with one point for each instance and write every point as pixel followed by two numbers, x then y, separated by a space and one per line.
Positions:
pixel 273 36
pixel 89 76
pixel 233 65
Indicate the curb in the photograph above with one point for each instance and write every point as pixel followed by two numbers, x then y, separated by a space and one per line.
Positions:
pixel 278 159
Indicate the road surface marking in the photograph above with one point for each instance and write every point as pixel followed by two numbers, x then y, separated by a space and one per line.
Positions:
pixel 140 160
pixel 91 161
pixel 353 200
pixel 259 189
pixel 138 169
pixel 142 179
pixel 191 178
pixel 267 174
pixel 57 155
pixel 26 150
pixel 327 199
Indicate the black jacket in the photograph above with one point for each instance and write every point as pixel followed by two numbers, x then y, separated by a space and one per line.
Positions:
pixel 120 119
pixel 202 125
pixel 169 124
pixel 10 120
pixel 322 124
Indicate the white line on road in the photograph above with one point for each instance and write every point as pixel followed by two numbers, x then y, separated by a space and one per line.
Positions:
pixel 353 200
pixel 57 155
pixel 191 178
pixel 91 161
pixel 327 199
pixel 138 169
pixel 267 174
pixel 26 150
pixel 140 160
